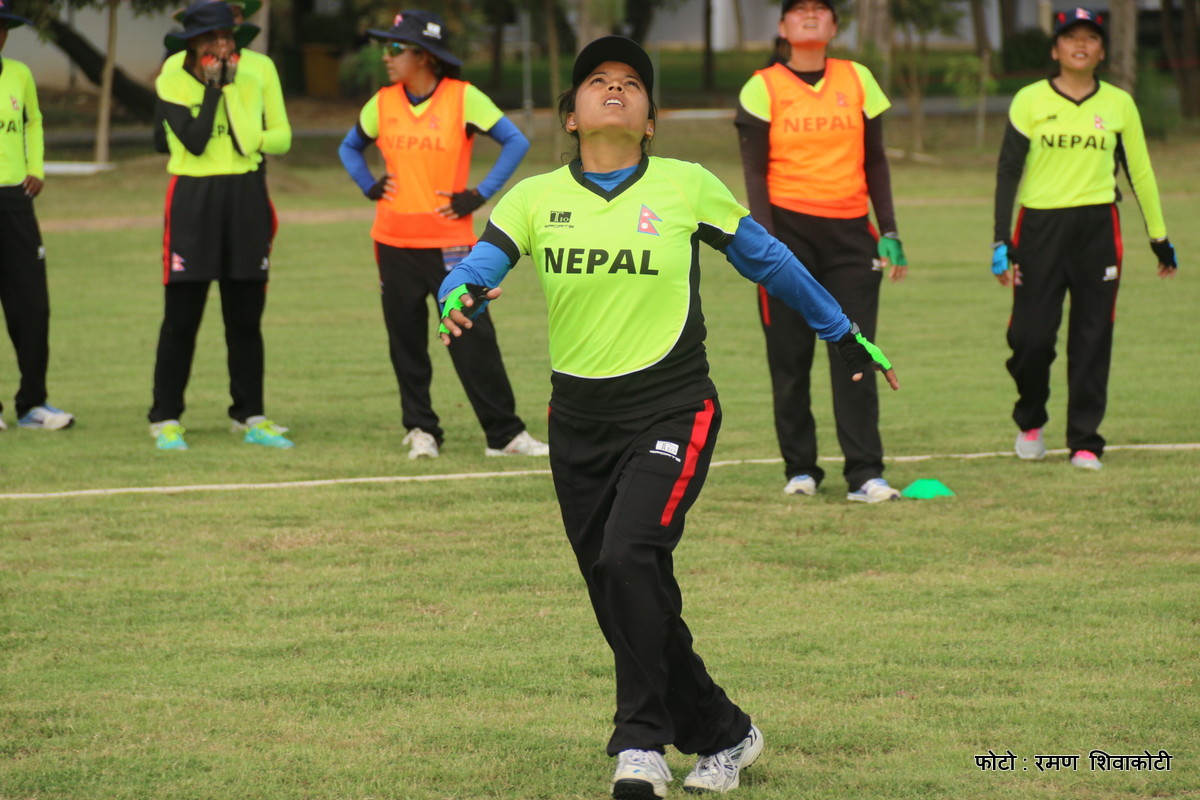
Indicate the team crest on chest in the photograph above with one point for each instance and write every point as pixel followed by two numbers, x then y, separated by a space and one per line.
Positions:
pixel 646 221
pixel 841 99
pixel 16 104
pixel 1099 123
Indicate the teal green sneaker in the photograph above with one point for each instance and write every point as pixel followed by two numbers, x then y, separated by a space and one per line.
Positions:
pixel 168 435
pixel 262 431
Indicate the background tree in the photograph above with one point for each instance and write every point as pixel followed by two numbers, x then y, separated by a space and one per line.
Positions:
pixel 1179 28
pixel 917 20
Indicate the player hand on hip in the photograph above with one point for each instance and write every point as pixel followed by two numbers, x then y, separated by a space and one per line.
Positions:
pixel 461 306
pixel 384 188
pixel 461 203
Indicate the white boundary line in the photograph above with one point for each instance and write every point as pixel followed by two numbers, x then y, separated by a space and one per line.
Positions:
pixel 462 476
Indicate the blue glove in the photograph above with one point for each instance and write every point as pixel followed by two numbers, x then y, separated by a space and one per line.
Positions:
pixel 999 258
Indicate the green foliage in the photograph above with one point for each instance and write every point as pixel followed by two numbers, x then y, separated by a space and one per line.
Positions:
pixel 1026 51
pixel 964 74
pixel 1157 102
pixel 361 72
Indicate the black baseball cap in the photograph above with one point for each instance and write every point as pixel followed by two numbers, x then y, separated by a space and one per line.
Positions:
pixel 787 6
pixel 613 48
pixel 1076 16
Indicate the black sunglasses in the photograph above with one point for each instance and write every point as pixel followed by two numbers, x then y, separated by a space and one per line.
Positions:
pixel 398 48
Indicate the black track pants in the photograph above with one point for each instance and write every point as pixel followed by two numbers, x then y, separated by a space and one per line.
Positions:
pixel 242 304
pixel 840 254
pixel 1076 250
pixel 408 278
pixel 24 295
pixel 624 489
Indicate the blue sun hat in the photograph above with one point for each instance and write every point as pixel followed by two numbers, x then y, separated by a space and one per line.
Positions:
pixel 10 19
pixel 426 30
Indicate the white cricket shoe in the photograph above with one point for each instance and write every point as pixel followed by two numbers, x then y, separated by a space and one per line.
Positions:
pixel 876 490
pixel 1086 459
pixel 3 427
pixel 420 444
pixel 46 418
pixel 801 484
pixel 521 445
pixel 720 772
pixel 1030 445
pixel 640 775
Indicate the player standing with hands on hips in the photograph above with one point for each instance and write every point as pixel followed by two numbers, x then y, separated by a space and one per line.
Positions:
pixel 219 222
pixel 1067 136
pixel 811 136
pixel 614 237
pixel 24 293
pixel 424 124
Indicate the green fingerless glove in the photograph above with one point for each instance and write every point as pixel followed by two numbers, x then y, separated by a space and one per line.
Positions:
pixel 889 247
pixel 453 302
pixel 876 354
pixel 859 354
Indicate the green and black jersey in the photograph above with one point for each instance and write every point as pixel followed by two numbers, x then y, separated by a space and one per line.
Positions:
pixel 621 271
pixel 21 143
pixel 1068 153
pixel 212 131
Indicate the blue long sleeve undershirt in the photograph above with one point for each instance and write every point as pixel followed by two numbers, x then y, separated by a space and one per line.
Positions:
pixel 754 253
pixel 513 147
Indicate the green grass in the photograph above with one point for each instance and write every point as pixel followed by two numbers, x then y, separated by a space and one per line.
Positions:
pixel 433 640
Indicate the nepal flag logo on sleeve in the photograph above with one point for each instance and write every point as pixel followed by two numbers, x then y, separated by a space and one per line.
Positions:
pixel 646 221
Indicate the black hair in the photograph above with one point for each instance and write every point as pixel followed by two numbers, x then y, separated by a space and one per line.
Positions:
pixel 566 105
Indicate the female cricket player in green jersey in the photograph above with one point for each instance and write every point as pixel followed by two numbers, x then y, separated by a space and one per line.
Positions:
pixel 219 222
pixel 614 237
pixel 24 293
pixel 1067 136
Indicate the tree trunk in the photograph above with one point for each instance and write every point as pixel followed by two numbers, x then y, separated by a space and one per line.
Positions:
pixel 1122 45
pixel 709 79
pixel 1184 53
pixel 104 118
pixel 133 96
pixel 496 80
pixel 979 26
pixel 1008 20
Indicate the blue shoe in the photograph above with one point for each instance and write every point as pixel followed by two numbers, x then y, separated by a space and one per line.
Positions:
pixel 876 490
pixel 168 435
pixel 46 418
pixel 262 431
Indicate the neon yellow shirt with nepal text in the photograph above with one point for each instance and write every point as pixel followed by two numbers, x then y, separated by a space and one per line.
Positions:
pixel 22 147
pixel 1073 150
pixel 617 271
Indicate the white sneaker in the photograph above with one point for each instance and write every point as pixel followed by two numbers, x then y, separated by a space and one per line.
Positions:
pixel 1086 459
pixel 521 445
pixel 1030 445
pixel 420 444
pixel 640 775
pixel 876 490
pixel 3 427
pixel 720 771
pixel 46 418
pixel 801 484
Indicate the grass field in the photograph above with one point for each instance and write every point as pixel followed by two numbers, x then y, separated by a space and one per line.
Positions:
pixel 432 640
